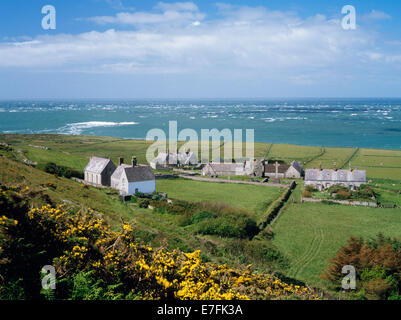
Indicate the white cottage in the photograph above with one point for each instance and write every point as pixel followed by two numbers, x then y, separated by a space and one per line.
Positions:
pixel 99 171
pixel 130 179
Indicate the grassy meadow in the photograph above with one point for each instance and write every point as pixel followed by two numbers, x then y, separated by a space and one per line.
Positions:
pixel 250 197
pixel 310 233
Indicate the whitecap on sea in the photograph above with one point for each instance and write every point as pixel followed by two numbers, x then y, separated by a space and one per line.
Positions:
pixel 78 127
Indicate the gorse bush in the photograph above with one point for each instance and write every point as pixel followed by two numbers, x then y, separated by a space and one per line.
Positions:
pixel 94 262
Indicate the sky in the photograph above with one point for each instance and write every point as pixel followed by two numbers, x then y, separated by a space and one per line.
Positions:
pixel 131 49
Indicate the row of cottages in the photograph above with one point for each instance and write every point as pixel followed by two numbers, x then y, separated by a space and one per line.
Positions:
pixel 167 159
pixel 256 168
pixel 325 178
pixel 128 179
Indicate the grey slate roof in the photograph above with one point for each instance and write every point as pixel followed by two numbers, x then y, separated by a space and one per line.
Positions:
pixel 332 175
pixel 136 174
pixel 118 172
pixel 97 165
pixel 271 168
pixel 297 166
pixel 226 167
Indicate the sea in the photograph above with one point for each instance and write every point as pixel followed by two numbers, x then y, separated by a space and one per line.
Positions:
pixel 364 123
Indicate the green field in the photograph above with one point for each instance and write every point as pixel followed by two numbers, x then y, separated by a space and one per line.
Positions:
pixel 244 196
pixel 74 151
pixel 311 233
pixel 306 234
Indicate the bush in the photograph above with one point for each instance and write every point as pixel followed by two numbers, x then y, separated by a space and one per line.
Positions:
pixel 310 188
pixel 365 192
pixel 229 226
pixel 143 203
pixel 307 194
pixel 62 171
pixel 337 188
pixel 200 216
pixel 343 194
pixel 378 262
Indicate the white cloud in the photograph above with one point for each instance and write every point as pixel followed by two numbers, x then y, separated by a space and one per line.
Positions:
pixel 177 6
pixel 243 41
pixel 376 15
pixel 176 13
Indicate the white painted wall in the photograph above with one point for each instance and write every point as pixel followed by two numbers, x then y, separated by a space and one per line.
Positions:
pixel 142 186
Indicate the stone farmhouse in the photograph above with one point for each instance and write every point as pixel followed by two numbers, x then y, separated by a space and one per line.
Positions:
pixel 168 159
pixel 98 171
pixel 325 178
pixel 223 169
pixel 282 170
pixel 128 179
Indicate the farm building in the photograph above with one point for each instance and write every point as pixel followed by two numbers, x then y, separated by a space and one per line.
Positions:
pixel 130 179
pixel 99 171
pixel 164 160
pixel 224 169
pixel 282 170
pixel 324 179
pixel 255 167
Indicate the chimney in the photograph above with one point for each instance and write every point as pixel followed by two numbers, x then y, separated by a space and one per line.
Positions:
pixel 320 166
pixel 120 161
pixel 335 166
pixel 134 162
pixel 350 166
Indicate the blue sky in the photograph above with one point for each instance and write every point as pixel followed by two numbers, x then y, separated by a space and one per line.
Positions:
pixel 199 49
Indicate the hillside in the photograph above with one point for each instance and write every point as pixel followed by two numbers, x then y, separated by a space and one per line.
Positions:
pixel 153 228
pixel 298 244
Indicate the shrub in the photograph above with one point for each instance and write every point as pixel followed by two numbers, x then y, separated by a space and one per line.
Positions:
pixel 143 203
pixel 343 194
pixel 200 216
pixel 310 188
pixel 62 171
pixel 365 192
pixel 337 188
pixel 307 194
pixel 229 226
pixel 379 264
